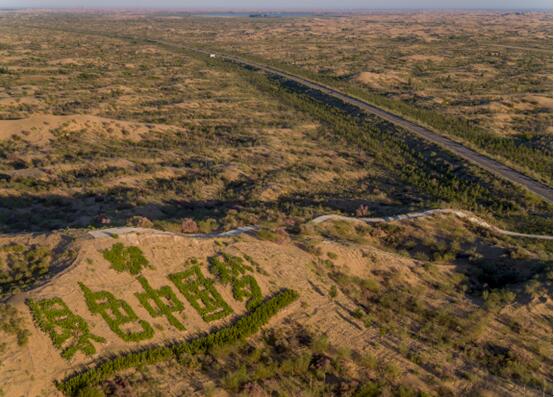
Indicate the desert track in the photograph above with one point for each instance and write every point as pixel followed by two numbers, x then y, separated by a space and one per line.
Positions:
pixel 468 216
pixel 412 215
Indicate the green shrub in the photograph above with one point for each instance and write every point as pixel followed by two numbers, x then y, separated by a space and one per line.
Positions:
pixel 69 332
pixel 164 299
pixel 369 361
pixel 207 225
pixel 126 259
pixel 268 235
pixel 358 313
pixel 369 389
pixel 240 329
pixel 407 391
pixel 116 313
pixel 90 392
pixel 247 287
pixel 498 298
pixel 319 344
pixel 234 380
pixel 200 292
pixel 231 269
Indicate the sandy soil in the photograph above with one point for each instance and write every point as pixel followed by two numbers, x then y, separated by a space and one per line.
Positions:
pixel 31 370
pixel 38 128
pixel 287 266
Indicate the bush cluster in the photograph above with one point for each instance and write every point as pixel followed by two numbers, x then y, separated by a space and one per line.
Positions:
pixel 231 269
pixel 242 328
pixel 200 292
pixel 126 259
pixel 160 297
pixel 55 318
pixel 116 313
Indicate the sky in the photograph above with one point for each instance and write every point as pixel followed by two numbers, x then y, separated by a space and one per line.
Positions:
pixel 285 4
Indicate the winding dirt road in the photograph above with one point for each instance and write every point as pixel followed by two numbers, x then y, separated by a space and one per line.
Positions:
pixel 466 215
pixel 116 231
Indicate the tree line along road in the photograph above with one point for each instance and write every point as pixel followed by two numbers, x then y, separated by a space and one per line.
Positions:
pixel 470 155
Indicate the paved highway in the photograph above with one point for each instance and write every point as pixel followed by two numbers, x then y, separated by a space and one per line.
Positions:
pixel 458 149
pixel 462 151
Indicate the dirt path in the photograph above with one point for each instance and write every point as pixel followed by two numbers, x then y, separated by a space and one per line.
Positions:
pixel 116 231
pixel 515 47
pixel 412 215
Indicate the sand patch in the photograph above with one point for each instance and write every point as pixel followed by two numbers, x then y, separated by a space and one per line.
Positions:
pixel 424 58
pixel 40 128
pixel 540 100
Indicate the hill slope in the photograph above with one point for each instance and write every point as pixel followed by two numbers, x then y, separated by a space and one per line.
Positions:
pixel 370 316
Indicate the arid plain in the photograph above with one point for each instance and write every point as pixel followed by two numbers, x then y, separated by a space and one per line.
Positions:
pixel 126 155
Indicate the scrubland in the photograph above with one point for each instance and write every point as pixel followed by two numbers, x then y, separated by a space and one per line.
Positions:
pixel 101 128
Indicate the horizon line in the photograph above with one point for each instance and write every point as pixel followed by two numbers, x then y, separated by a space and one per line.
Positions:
pixel 269 9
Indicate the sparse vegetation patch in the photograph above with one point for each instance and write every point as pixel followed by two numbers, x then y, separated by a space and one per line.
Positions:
pixel 21 265
pixel 118 314
pixel 200 292
pixel 69 332
pixel 12 323
pixel 126 259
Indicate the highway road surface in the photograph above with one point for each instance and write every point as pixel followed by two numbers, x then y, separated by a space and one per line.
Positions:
pixel 458 149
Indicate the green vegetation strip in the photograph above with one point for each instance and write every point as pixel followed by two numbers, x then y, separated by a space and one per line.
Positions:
pixel 241 328
pixel 516 153
pixel 126 259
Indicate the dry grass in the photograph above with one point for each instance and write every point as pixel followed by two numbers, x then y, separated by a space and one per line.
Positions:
pixel 365 315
